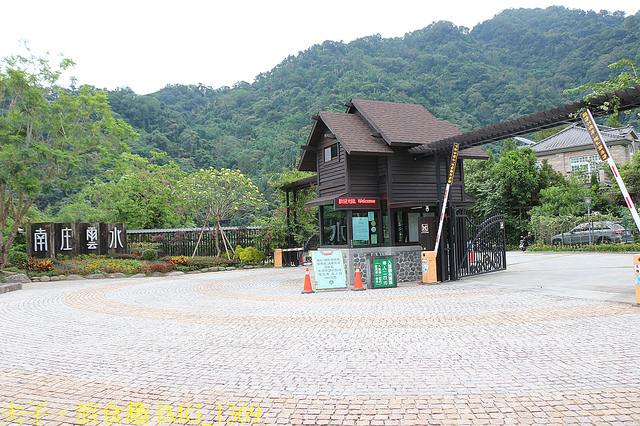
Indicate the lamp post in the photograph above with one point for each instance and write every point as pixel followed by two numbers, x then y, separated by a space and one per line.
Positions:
pixel 588 201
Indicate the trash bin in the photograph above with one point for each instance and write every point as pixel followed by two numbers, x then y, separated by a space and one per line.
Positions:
pixel 429 270
pixel 277 258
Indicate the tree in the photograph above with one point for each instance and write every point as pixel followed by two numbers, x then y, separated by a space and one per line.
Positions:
pixel 215 195
pixel 139 193
pixel 563 200
pixel 621 81
pixel 303 221
pixel 47 134
pixel 512 185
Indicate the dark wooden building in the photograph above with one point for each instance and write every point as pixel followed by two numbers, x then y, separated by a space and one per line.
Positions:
pixel 373 193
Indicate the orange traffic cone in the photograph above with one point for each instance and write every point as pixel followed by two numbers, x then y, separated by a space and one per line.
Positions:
pixel 472 256
pixel 358 284
pixel 307 283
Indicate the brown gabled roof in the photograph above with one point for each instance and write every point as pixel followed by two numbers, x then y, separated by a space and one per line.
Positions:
pixel 402 124
pixel 373 127
pixel 354 133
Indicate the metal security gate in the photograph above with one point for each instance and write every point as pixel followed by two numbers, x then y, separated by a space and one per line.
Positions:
pixel 479 245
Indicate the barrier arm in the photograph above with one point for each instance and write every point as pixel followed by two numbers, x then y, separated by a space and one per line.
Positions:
pixel 452 170
pixel 605 155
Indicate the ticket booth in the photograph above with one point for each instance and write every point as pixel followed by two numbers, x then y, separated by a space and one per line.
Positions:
pixel 376 198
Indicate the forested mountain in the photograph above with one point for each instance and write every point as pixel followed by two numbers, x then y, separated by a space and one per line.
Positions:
pixel 517 63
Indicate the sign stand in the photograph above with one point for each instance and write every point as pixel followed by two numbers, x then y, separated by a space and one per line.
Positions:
pixel 328 269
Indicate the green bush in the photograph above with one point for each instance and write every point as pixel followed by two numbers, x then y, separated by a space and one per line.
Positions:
pixel 250 255
pixel 202 262
pixel 17 258
pixel 627 248
pixel 149 254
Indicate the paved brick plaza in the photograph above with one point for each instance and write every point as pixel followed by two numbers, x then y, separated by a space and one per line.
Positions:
pixel 223 344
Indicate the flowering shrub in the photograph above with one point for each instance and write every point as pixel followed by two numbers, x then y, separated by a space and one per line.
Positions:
pixel 39 265
pixel 177 260
pixel 158 267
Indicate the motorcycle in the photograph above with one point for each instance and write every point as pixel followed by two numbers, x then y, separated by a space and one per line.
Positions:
pixel 526 241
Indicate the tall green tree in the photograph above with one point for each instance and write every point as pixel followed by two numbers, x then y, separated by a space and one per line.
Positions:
pixel 512 185
pixel 47 134
pixel 216 195
pixel 138 192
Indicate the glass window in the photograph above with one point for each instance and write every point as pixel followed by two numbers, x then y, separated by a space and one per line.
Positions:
pixel 330 153
pixel 413 227
pixel 407 225
pixel 385 227
pixel 334 226
pixel 586 164
pixel 400 227
pixel 365 227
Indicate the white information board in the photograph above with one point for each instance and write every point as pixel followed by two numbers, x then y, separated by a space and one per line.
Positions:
pixel 328 269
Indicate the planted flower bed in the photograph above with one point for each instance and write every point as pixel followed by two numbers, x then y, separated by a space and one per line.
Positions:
pixel 112 264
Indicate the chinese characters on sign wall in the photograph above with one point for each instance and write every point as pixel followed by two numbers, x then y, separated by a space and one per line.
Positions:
pixel 92 238
pixel 46 240
pixel 41 242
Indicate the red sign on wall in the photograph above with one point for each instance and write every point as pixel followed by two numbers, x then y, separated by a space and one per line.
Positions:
pixel 353 203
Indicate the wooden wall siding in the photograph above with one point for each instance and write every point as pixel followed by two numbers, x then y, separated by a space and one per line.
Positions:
pixel 382 176
pixel 332 174
pixel 363 176
pixel 411 180
pixel 415 180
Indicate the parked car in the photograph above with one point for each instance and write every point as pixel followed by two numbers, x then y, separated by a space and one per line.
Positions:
pixel 601 233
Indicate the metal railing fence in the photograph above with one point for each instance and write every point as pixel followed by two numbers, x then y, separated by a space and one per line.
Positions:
pixel 182 241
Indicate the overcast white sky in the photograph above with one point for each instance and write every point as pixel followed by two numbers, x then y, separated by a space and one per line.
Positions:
pixel 148 44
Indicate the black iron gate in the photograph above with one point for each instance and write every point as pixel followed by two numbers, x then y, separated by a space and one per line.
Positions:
pixel 479 244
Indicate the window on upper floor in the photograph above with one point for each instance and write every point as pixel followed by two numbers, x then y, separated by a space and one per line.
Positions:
pixel 331 153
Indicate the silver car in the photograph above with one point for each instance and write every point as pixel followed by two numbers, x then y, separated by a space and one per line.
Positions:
pixel 601 233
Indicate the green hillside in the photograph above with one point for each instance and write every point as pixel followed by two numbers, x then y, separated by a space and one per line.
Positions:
pixel 517 63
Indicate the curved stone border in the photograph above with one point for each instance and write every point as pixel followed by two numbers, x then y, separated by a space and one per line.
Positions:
pixel 95 299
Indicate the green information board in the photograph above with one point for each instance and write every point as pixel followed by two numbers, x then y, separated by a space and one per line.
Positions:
pixel 383 273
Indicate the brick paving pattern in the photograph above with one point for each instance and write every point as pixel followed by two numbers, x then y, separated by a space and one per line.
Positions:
pixel 246 347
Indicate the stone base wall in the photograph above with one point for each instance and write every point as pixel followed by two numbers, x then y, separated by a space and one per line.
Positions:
pixel 406 260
